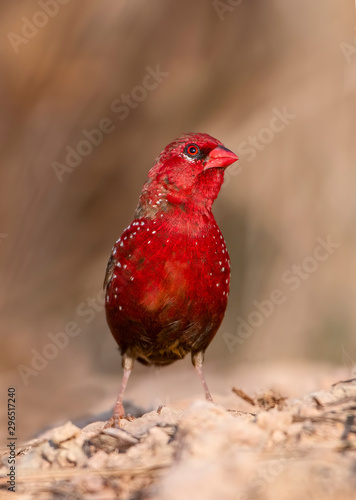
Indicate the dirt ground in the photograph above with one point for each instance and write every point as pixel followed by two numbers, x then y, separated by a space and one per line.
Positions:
pixel 275 447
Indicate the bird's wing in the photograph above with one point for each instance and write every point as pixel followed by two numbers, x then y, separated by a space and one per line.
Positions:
pixel 109 271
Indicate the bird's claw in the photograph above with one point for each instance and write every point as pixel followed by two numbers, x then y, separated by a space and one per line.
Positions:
pixel 115 420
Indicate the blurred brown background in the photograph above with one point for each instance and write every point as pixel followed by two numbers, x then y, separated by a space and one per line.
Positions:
pixel 228 69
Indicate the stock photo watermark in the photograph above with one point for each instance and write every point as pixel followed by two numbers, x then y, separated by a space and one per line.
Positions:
pixel 12 438
pixel 121 108
pixel 266 474
pixel 248 149
pixel 292 278
pixel 86 312
pixel 223 7
pixel 349 362
pixel 48 9
pixel 348 49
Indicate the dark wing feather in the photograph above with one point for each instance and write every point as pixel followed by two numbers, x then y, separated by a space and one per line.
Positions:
pixel 109 271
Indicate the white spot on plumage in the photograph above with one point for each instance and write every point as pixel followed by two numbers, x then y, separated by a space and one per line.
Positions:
pixel 120 308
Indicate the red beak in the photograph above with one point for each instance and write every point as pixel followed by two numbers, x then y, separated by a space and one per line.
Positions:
pixel 220 157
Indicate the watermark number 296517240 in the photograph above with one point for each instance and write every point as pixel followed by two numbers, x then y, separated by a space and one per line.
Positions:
pixel 11 429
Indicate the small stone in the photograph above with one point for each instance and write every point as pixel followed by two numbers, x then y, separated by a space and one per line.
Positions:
pixel 63 433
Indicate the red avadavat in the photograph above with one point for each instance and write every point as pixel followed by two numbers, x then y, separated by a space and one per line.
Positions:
pixel 167 280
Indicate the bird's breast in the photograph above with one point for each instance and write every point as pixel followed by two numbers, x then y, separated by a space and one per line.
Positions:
pixel 166 272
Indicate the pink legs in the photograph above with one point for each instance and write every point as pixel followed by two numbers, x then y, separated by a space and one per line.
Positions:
pixel 197 360
pixel 119 412
pixel 127 364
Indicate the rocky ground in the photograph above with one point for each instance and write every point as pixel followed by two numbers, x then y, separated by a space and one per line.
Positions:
pixel 280 449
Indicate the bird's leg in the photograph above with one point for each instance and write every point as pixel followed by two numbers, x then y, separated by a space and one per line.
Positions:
pixel 119 412
pixel 197 360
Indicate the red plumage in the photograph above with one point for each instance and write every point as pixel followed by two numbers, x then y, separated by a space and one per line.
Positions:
pixel 167 280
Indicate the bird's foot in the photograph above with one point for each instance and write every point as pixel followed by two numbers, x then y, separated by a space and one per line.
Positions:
pixel 115 420
pixel 118 413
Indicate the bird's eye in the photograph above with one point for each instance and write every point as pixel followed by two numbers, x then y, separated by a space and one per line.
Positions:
pixel 192 150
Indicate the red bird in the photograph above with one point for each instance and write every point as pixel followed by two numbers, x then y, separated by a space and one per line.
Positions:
pixel 167 280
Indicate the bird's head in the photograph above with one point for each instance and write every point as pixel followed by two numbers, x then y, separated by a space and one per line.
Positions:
pixel 189 171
